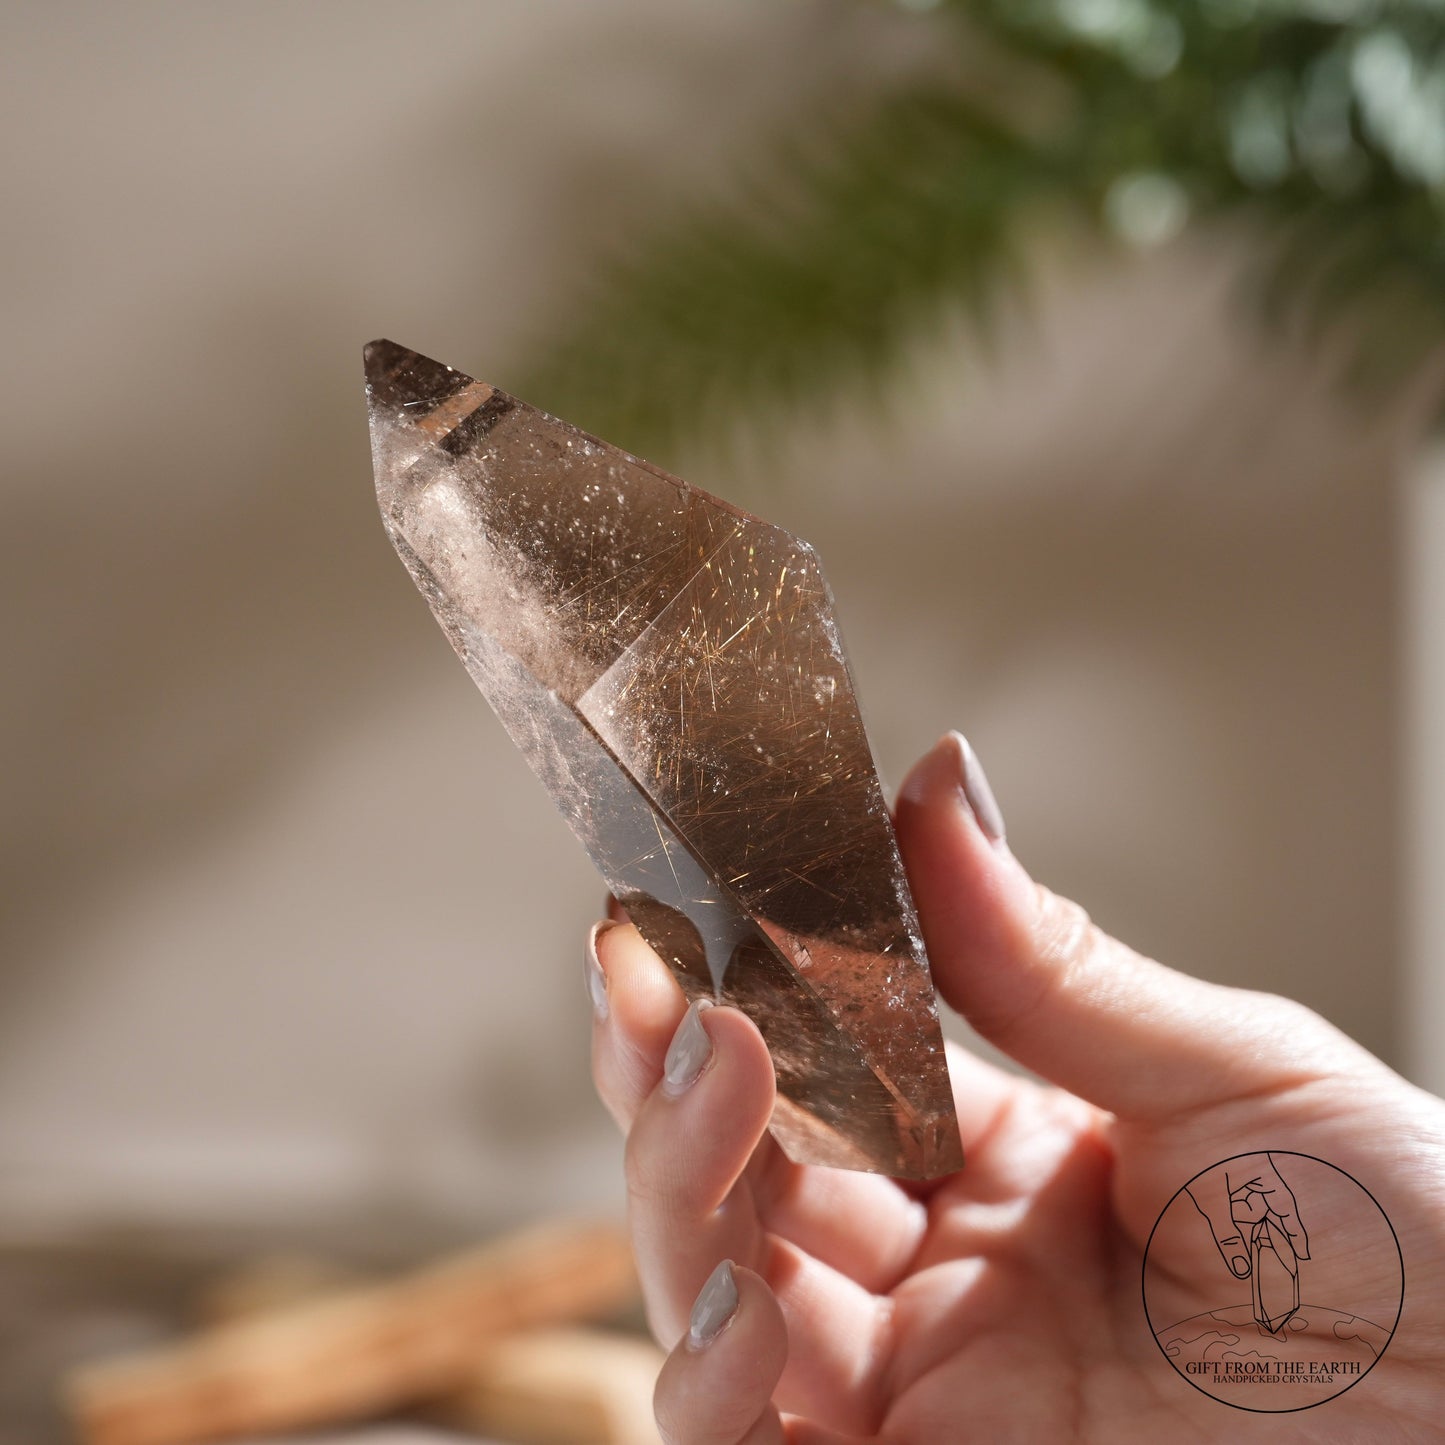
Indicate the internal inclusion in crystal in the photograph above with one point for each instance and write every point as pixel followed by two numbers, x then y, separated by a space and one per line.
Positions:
pixel 670 668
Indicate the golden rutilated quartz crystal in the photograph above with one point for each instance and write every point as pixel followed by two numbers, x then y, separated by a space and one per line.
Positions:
pixel 670 667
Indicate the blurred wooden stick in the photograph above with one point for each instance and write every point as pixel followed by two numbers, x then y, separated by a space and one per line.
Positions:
pixel 559 1387
pixel 358 1352
pixel 271 1282
pixel 543 1387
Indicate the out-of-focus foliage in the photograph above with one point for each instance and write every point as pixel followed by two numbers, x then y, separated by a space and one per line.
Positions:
pixel 1322 122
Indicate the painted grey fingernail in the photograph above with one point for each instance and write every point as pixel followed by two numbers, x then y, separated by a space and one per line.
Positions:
pixel 716 1304
pixel 592 968
pixel 689 1050
pixel 977 793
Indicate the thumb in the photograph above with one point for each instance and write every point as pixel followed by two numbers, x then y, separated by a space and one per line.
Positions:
pixel 1282 1205
pixel 1036 978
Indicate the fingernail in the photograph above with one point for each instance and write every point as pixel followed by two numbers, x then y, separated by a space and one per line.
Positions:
pixel 592 968
pixel 1240 1265
pixel 976 791
pixel 716 1304
pixel 689 1050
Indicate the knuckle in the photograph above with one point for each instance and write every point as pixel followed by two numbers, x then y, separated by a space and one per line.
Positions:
pixel 670 1426
pixel 1302 1042
pixel 1061 939
pixel 1064 934
pixel 637 1169
pixel 655 1184
pixel 624 1074
pixel 693 1412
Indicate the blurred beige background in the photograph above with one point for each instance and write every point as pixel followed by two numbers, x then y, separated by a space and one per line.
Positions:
pixel 291 938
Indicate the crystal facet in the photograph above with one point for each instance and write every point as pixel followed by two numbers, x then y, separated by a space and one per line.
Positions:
pixel 670 667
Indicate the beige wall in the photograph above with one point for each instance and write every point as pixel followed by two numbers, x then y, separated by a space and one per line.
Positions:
pixel 1421 993
pixel 289 932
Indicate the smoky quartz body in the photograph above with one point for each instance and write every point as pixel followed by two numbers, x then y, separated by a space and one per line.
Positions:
pixel 670 667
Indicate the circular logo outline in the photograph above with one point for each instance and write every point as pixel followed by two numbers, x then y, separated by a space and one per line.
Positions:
pixel 1144 1289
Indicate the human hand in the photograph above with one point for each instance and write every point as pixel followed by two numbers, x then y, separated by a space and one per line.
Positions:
pixel 1244 1192
pixel 1001 1303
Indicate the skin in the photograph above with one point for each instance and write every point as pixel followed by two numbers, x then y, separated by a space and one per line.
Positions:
pixel 1002 1303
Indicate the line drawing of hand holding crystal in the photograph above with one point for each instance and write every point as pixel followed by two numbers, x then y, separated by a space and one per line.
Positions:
pixel 1255 1221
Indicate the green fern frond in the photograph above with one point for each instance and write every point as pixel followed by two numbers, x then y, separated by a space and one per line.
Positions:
pixel 840 258
pixel 1321 122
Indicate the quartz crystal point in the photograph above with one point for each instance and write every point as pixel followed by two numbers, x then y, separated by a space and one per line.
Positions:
pixel 1274 1276
pixel 670 667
